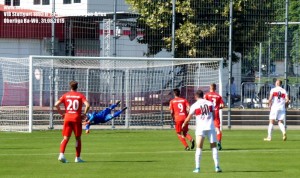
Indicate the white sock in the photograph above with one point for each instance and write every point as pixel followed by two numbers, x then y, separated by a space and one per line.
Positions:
pixel 270 129
pixel 198 155
pixel 282 128
pixel 61 154
pixel 215 156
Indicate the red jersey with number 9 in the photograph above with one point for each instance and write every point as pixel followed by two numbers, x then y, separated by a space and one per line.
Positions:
pixel 73 105
pixel 178 106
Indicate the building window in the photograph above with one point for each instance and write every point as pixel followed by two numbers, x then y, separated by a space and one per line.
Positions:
pixel 7 2
pixel 36 2
pixel 16 3
pixel 46 2
pixel 67 1
pixel 77 1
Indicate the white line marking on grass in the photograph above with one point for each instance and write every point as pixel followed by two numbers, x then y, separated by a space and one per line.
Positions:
pixel 160 152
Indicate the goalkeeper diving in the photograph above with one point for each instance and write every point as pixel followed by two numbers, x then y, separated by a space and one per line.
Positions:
pixel 102 116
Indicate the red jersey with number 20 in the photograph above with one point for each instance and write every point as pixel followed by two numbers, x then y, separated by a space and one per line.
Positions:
pixel 73 105
pixel 215 98
pixel 178 106
pixel 203 110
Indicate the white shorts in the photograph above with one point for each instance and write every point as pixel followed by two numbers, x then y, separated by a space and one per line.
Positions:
pixel 210 134
pixel 277 115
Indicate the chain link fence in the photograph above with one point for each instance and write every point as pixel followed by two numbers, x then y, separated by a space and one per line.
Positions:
pixel 131 28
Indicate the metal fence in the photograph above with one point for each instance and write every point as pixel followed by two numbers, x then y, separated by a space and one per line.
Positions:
pixel 134 28
pixel 256 95
pixel 262 49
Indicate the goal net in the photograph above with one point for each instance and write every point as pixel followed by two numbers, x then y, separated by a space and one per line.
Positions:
pixel 144 85
pixel 14 90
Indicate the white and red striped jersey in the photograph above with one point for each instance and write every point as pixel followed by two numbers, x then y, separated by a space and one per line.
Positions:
pixel 203 110
pixel 278 94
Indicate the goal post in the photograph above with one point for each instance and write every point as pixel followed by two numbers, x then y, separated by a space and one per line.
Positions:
pixel 30 99
pixel 221 91
pixel 144 85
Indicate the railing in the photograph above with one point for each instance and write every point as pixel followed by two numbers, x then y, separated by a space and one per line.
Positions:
pixel 255 95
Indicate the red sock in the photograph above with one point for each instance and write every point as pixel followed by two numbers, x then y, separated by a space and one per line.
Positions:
pixel 182 140
pixel 189 137
pixel 78 148
pixel 63 145
pixel 219 136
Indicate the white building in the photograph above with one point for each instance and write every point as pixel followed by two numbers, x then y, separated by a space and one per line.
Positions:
pixel 26 39
pixel 69 7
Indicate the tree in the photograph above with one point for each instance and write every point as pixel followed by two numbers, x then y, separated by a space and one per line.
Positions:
pixel 202 26
pixel 156 21
pixel 294 11
pixel 277 34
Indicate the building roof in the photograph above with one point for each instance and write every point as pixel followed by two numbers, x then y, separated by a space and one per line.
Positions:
pixel 14 27
pixel 5 8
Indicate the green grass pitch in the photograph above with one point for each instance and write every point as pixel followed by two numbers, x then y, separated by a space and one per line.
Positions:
pixel 147 153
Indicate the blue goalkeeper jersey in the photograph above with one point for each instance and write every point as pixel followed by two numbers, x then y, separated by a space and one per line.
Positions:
pixel 97 117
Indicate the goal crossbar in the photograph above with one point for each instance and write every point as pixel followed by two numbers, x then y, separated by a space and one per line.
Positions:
pixel 126 58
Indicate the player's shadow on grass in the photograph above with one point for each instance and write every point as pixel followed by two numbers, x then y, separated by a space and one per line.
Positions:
pixel 253 149
pixel 19 148
pixel 116 132
pixel 249 171
pixel 293 140
pixel 126 161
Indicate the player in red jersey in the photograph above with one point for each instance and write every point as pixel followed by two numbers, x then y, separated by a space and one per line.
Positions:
pixel 179 111
pixel 218 102
pixel 73 102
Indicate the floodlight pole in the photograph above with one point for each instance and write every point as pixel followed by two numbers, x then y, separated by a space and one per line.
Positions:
pixel 173 37
pixel 173 44
pixel 115 26
pixel 173 27
pixel 52 68
pixel 114 54
pixel 269 56
pixel 53 29
pixel 286 42
pixel 260 63
pixel 260 66
pixel 297 54
pixel 230 63
pixel 297 58
pixel 286 46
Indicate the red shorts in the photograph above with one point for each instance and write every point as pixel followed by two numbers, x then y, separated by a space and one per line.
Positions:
pixel 70 126
pixel 178 126
pixel 217 119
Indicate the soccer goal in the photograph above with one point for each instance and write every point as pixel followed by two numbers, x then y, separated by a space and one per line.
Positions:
pixel 31 86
